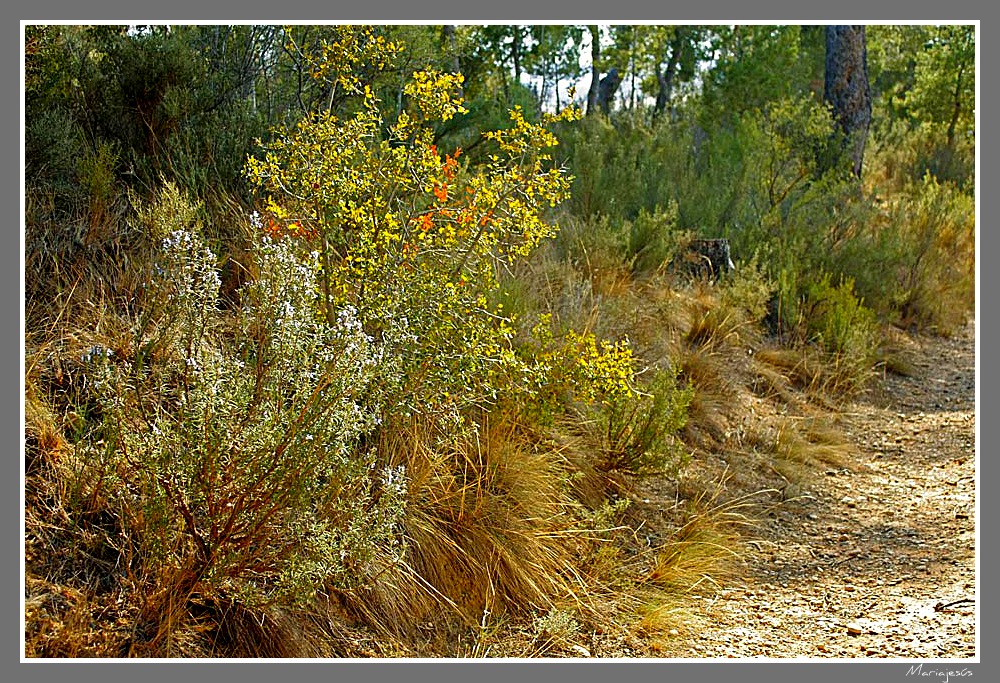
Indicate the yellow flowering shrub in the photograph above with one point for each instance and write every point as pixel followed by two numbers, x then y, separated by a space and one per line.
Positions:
pixel 632 422
pixel 410 237
pixel 576 368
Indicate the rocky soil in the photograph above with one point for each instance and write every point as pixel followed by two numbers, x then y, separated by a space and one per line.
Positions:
pixel 876 557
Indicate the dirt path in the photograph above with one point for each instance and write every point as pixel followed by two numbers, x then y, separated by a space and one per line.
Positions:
pixel 876 559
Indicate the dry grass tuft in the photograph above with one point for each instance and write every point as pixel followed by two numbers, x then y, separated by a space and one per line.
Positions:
pixel 827 378
pixel 231 629
pixel 489 527
pixel 44 443
pixel 771 384
pixel 705 547
pixel 811 442
pixel 712 325
pixel 708 373
pixel 702 553
pixel 819 375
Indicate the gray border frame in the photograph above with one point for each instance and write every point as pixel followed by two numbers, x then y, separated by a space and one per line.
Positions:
pixel 622 11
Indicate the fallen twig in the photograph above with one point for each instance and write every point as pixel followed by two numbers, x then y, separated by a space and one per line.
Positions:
pixel 941 607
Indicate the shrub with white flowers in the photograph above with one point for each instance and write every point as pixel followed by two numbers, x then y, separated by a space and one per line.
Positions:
pixel 236 448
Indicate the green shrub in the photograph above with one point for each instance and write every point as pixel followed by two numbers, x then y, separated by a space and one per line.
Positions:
pixel 839 321
pixel 588 242
pixel 935 224
pixel 54 145
pixel 640 431
pixel 620 171
pixel 844 327
pixel 747 291
pixel 902 154
pixel 652 239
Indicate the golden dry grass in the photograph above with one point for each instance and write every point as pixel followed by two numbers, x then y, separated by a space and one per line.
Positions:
pixel 489 528
pixel 811 441
pixel 712 404
pixel 703 554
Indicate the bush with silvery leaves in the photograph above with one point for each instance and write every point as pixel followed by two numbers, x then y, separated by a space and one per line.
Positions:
pixel 234 450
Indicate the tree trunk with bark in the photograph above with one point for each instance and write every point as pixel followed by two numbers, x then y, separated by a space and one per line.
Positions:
pixel 665 79
pixel 956 111
pixel 607 89
pixel 451 42
pixel 595 58
pixel 847 90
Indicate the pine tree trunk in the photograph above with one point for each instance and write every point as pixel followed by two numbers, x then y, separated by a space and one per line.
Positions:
pixel 595 75
pixel 665 80
pixel 957 109
pixel 847 90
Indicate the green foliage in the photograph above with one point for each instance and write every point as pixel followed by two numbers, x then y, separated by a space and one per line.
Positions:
pixel 927 79
pixel 620 171
pixel 646 243
pixel 172 211
pixel 657 60
pixel 902 156
pixel 935 223
pixel 944 91
pixel 155 97
pixel 840 322
pixel 554 57
pixel 653 239
pixel 760 182
pixel 747 291
pixel 755 67
pixel 53 142
pixel 833 336
pixel 774 158
pixel 640 430
pixel 912 255
pixel 892 60
pixel 97 172
pixel 370 414
pixel 486 111
pixel 723 181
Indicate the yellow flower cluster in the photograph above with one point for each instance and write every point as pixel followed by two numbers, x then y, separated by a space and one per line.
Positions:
pixel 606 368
pixel 581 368
pixel 349 48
